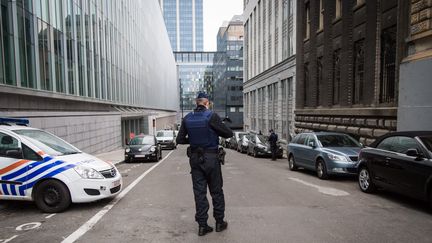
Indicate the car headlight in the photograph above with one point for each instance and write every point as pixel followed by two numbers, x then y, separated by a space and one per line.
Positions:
pixel 152 149
pixel 127 150
pixel 88 173
pixel 260 146
pixel 336 157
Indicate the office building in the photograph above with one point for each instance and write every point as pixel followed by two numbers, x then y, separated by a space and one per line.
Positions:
pixel 195 73
pixel 184 22
pixel 91 72
pixel 228 72
pixel 269 66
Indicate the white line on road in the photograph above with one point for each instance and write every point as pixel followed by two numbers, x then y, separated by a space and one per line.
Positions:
pixel 325 190
pixel 50 216
pixel 92 222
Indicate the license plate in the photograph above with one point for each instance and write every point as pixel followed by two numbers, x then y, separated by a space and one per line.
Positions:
pixel 116 183
pixel 140 156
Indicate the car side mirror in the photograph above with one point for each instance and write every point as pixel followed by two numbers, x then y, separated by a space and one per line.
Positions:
pixel 312 144
pixel 14 153
pixel 414 153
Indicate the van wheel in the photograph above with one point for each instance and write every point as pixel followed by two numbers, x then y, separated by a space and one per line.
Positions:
pixel 365 181
pixel 321 170
pixel 52 196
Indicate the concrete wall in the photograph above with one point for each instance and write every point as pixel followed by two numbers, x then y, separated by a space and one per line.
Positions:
pixel 91 133
pixel 415 102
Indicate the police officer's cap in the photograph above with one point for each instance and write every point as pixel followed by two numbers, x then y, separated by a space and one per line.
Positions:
pixel 202 95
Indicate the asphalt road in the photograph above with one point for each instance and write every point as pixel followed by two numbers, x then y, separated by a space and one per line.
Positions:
pixel 265 203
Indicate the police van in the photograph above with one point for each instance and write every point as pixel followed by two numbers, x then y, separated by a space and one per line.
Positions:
pixel 38 166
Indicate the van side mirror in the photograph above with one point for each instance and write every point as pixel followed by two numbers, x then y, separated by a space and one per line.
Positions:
pixel 14 153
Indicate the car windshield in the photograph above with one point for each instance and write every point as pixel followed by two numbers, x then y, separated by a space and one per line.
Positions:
pixel 335 140
pixel 164 134
pixel 241 135
pixel 147 140
pixel 427 142
pixel 49 143
pixel 261 139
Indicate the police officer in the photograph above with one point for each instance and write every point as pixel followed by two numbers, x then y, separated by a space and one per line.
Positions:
pixel 273 138
pixel 201 129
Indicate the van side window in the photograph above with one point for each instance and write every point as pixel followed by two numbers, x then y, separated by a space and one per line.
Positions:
pixel 29 154
pixel 7 143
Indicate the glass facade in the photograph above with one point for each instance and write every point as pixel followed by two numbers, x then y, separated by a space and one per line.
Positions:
pixel 184 23
pixel 195 72
pixel 102 50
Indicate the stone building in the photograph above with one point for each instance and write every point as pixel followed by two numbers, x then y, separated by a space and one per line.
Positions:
pixel 348 59
pixel 269 66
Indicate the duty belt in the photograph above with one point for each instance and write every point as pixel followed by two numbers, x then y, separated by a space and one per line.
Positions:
pixel 203 151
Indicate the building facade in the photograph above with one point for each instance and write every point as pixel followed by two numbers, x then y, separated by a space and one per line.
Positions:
pixel 228 72
pixel 184 22
pixel 195 73
pixel 89 71
pixel 269 66
pixel 348 60
pixel 415 83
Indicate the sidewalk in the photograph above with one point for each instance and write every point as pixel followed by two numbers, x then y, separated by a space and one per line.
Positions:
pixel 115 157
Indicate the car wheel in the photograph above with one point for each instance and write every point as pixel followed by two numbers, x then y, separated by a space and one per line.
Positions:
pixel 321 169
pixel 291 163
pixel 52 196
pixel 365 181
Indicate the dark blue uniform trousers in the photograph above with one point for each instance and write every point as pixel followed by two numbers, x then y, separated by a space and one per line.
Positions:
pixel 206 171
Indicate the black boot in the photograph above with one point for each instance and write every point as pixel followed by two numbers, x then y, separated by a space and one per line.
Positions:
pixel 203 230
pixel 221 226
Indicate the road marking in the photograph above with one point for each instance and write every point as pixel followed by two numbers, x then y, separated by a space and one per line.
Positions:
pixel 50 216
pixel 325 190
pixel 7 240
pixel 92 222
pixel 28 226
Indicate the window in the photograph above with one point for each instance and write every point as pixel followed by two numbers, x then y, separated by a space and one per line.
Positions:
pixel 7 143
pixel 358 79
pixel 29 154
pixel 232 109
pixel 336 77
pixel 307 23
pixel 319 81
pixel 398 144
pixel 305 83
pixel 338 9
pixel 301 139
pixel 388 65
pixel 241 109
pixel 321 16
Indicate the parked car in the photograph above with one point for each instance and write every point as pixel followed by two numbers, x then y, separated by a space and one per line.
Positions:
pixel 224 142
pixel 243 143
pixel 324 152
pixel 399 162
pixel 234 141
pixel 258 145
pixel 167 139
pixel 38 166
pixel 143 147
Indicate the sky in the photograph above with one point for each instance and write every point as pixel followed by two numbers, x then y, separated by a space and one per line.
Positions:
pixel 215 13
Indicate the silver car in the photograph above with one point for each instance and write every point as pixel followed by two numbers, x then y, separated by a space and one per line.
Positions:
pixel 324 152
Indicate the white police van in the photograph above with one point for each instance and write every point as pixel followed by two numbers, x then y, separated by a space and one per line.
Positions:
pixel 36 165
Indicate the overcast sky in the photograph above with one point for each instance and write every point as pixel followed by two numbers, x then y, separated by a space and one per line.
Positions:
pixel 215 13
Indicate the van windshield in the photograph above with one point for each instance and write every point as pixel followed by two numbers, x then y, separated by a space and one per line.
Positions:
pixel 168 134
pixel 49 143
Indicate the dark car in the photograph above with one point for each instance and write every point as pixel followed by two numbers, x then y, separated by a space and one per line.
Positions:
pixel 234 141
pixel 258 145
pixel 167 139
pixel 324 152
pixel 400 162
pixel 143 147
